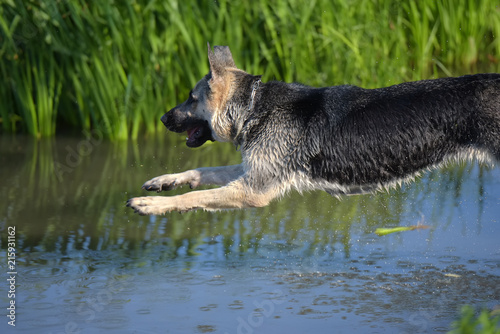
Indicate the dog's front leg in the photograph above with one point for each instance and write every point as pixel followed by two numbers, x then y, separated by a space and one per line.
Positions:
pixel 233 196
pixel 195 177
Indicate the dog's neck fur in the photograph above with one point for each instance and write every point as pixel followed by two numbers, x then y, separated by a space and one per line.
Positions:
pixel 241 105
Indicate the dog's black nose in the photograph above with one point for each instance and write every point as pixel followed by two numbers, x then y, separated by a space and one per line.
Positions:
pixel 175 120
pixel 164 119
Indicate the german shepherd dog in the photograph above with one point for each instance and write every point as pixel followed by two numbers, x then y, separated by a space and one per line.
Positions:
pixel 344 140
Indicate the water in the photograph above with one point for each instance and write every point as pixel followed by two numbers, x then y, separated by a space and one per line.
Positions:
pixel 309 263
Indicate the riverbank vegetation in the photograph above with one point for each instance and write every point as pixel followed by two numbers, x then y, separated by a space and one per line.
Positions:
pixel 116 67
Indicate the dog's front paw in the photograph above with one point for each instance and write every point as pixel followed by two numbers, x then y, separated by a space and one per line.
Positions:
pixel 171 181
pixel 152 205
pixel 160 183
pixel 141 205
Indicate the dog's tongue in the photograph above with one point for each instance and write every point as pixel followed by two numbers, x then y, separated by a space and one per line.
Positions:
pixel 191 132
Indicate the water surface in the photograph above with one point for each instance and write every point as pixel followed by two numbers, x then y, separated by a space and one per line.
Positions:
pixel 308 263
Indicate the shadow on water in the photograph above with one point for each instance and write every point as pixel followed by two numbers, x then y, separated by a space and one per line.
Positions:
pixel 86 262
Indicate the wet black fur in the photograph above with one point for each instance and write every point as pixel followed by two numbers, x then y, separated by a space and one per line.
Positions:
pixel 354 136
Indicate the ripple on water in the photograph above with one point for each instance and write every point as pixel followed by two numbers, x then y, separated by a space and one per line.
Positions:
pixel 112 321
pixel 208 307
pixel 236 305
pixel 448 259
pixel 206 329
pixel 216 280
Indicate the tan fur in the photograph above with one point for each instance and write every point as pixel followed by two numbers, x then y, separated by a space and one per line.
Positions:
pixel 221 93
pixel 233 196
pixel 219 176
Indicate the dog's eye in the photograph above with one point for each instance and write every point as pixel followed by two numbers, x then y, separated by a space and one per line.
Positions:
pixel 193 97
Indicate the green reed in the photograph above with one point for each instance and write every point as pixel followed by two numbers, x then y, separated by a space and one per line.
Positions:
pixel 75 65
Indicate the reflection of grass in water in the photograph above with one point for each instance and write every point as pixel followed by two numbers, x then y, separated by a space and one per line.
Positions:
pixel 118 66
pixel 86 210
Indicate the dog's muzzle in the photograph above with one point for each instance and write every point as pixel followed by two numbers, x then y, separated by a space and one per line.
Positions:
pixel 198 131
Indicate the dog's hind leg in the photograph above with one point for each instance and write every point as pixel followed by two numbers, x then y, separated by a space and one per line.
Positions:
pixel 233 196
pixel 200 176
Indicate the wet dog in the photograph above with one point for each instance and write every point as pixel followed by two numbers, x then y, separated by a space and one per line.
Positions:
pixel 344 139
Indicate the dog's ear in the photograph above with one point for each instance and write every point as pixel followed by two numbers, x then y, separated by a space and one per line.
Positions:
pixel 219 60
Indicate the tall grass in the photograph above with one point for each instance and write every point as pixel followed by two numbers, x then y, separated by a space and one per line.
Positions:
pixel 116 67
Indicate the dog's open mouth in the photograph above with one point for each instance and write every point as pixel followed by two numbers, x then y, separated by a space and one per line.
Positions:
pixel 193 135
pixel 198 135
pixel 198 131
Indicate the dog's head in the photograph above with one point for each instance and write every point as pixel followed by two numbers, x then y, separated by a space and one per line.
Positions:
pixel 202 114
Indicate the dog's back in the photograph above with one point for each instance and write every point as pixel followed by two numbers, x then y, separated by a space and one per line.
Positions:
pixel 346 139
